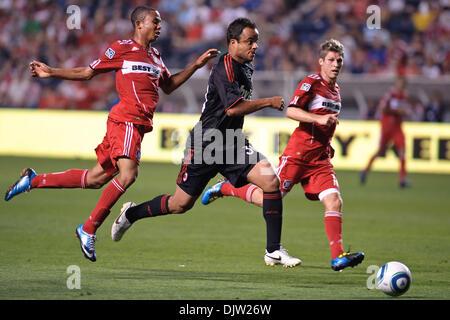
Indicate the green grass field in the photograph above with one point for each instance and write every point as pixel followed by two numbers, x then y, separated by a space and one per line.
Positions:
pixel 216 252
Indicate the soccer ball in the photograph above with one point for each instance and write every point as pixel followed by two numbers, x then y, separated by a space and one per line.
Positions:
pixel 394 278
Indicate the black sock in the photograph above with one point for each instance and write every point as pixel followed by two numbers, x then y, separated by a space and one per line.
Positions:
pixel 273 214
pixel 156 207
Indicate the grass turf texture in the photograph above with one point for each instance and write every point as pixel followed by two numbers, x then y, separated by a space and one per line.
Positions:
pixel 216 252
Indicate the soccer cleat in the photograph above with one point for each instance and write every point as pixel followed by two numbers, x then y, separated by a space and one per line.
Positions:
pixel 21 185
pixel 87 243
pixel 213 192
pixel 281 256
pixel 405 184
pixel 121 224
pixel 347 260
pixel 362 177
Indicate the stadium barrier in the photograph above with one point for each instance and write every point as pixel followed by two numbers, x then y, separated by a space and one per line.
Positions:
pixel 75 134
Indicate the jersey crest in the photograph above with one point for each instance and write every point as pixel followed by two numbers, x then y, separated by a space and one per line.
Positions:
pixel 110 53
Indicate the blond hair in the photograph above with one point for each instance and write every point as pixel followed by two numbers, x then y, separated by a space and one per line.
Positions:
pixel 331 45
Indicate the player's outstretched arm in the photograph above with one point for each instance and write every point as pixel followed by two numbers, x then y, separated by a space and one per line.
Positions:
pixel 179 78
pixel 244 107
pixel 301 115
pixel 41 70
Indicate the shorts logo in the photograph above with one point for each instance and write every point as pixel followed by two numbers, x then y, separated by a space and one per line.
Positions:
pixel 185 176
pixel 138 155
pixel 305 87
pixel 287 185
pixel 110 53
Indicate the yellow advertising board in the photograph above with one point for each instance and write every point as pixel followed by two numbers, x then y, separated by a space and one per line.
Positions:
pixel 75 134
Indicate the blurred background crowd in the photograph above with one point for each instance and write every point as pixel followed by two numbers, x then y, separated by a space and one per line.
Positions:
pixel 414 40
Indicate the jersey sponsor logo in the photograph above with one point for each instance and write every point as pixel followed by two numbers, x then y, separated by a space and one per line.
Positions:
pixel 331 105
pixel 110 53
pixel 320 102
pixel 138 155
pixel 305 87
pixel 140 67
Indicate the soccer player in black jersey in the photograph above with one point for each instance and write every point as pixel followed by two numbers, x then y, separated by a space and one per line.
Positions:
pixel 217 145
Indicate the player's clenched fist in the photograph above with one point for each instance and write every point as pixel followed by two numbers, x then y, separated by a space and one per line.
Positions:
pixel 327 119
pixel 277 103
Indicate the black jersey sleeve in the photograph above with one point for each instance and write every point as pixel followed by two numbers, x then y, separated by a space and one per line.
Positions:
pixel 226 84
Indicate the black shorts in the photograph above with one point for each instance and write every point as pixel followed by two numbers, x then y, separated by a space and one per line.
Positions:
pixel 195 175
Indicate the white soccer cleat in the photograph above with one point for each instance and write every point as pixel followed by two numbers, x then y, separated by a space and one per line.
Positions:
pixel 121 224
pixel 281 256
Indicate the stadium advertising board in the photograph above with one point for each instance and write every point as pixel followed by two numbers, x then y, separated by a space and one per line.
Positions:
pixel 75 134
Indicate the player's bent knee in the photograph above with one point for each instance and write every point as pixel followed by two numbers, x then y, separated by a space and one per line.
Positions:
pixel 177 205
pixel 181 208
pixel 331 199
pixel 127 179
pixel 271 184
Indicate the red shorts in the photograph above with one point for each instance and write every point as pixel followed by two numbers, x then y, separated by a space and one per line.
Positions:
pixel 122 140
pixel 317 179
pixel 394 135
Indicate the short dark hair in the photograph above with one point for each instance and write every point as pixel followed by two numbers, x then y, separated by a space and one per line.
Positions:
pixel 331 45
pixel 139 13
pixel 236 27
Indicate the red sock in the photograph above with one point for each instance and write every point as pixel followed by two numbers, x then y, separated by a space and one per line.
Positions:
pixel 333 229
pixel 73 178
pixel 245 192
pixel 109 197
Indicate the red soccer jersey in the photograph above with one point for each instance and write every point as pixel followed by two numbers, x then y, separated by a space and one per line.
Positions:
pixel 311 142
pixel 393 100
pixel 139 74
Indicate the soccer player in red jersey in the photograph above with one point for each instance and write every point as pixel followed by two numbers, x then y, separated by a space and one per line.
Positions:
pixel 140 71
pixel 393 107
pixel 316 104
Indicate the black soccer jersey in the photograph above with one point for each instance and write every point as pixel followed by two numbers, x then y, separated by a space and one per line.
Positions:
pixel 229 83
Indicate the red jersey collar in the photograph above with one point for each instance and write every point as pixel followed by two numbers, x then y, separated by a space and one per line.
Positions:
pixel 326 82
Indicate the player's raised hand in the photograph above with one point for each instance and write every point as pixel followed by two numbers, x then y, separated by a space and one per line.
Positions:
pixel 39 69
pixel 206 56
pixel 278 103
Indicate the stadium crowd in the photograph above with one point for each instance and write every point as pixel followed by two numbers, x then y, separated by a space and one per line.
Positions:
pixel 414 39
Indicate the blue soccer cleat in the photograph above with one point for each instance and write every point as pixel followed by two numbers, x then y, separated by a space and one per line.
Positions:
pixel 363 177
pixel 347 260
pixel 87 243
pixel 213 192
pixel 21 185
pixel 405 184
